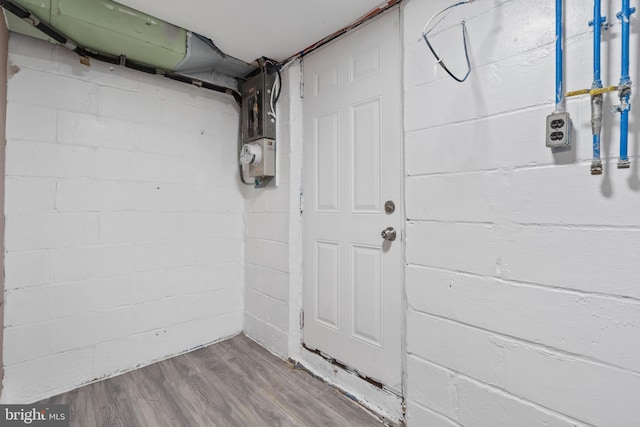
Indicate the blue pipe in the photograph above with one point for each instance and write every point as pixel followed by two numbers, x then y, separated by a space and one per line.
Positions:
pixel 559 58
pixel 625 15
pixel 597 22
pixel 624 88
pixel 596 163
pixel 596 100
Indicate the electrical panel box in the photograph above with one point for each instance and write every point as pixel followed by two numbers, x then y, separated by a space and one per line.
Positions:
pixel 260 157
pixel 558 130
pixel 258 119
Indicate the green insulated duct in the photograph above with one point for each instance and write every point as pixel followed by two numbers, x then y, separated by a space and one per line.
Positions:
pixel 109 31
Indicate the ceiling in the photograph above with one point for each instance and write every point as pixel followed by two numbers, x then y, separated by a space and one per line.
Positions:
pixel 249 29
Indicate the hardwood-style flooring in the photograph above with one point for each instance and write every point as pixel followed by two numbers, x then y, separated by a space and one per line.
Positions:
pixel 232 383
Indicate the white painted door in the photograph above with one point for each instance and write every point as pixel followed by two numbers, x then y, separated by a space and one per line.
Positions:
pixel 352 166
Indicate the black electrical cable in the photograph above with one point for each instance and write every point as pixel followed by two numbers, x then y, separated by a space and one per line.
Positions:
pixel 441 62
pixel 26 15
pixel 236 95
pixel 144 68
pixel 110 59
pixel 17 10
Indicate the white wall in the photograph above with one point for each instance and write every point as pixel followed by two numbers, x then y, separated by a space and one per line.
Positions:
pixel 125 233
pixel 523 275
pixel 4 48
pixel 267 245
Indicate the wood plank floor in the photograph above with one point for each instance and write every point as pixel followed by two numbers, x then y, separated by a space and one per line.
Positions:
pixel 232 383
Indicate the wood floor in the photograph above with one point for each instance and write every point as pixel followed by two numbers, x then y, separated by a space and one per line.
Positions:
pixel 232 383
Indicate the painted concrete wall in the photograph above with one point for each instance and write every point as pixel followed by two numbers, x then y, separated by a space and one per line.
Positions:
pixel 125 233
pixel 523 276
pixel 4 51
pixel 522 269
pixel 267 246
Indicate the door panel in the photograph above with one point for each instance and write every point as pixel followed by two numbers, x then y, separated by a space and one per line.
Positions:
pixel 365 62
pixel 365 156
pixel 367 294
pixel 352 166
pixel 326 152
pixel 328 270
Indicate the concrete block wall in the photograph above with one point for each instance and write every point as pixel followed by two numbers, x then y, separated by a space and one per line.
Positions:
pixel 4 48
pixel 267 214
pixel 523 275
pixel 125 228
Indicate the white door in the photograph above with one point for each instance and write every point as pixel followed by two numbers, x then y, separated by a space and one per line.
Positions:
pixel 352 167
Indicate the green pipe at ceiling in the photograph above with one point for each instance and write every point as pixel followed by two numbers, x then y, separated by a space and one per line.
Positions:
pixel 108 27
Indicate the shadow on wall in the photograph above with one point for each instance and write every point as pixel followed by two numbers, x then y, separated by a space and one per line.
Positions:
pixel 634 131
pixel 610 147
pixel 567 156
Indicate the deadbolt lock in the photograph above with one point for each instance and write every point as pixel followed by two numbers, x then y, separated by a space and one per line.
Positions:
pixel 390 207
pixel 389 234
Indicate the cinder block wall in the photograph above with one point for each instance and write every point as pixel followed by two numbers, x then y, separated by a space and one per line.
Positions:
pixel 267 245
pixel 125 232
pixel 4 48
pixel 523 275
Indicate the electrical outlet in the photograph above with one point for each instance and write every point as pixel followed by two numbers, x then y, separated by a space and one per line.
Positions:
pixel 558 130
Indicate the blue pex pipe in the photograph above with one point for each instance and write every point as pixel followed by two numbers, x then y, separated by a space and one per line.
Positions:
pixel 624 138
pixel 559 58
pixel 596 147
pixel 597 40
pixel 625 16
pixel 597 100
pixel 625 84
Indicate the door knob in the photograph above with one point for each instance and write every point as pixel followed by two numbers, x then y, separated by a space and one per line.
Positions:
pixel 389 233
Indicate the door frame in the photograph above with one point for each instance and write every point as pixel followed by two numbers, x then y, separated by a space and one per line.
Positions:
pixel 383 402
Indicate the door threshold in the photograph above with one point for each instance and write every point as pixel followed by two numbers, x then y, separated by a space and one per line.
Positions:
pixel 353 371
pixel 384 403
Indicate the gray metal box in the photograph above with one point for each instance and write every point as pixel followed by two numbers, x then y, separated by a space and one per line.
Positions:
pixel 257 122
pixel 558 130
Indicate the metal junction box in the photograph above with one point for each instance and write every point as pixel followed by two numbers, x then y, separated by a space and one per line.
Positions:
pixel 257 120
